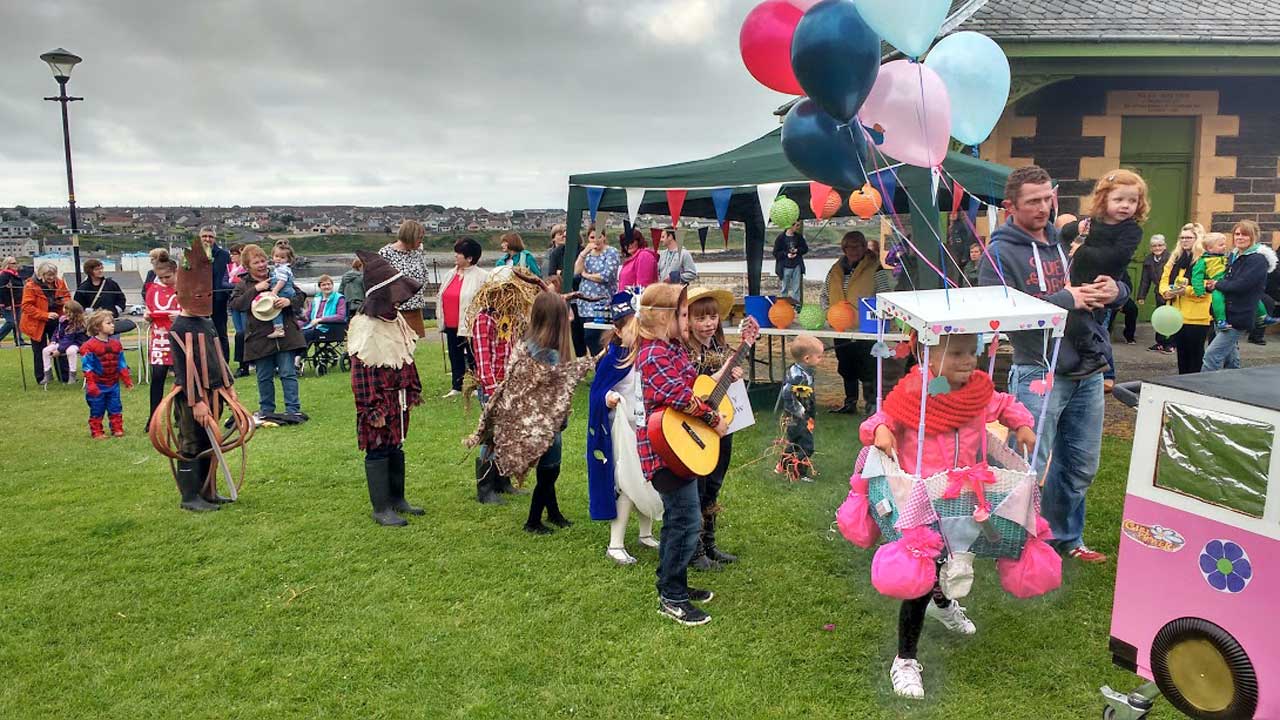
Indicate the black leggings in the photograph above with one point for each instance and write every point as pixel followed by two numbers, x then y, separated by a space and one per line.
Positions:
pixel 159 374
pixel 1190 343
pixel 544 496
pixel 459 356
pixel 911 620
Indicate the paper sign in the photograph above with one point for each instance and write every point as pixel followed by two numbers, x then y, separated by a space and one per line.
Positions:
pixel 742 415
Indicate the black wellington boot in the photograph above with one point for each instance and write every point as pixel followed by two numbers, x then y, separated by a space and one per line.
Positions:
pixel 189 482
pixel 209 490
pixel 502 485
pixel 398 503
pixel 549 475
pixel 709 542
pixel 486 477
pixel 376 473
pixel 701 561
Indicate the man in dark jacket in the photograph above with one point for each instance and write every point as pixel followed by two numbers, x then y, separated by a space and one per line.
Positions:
pixel 788 262
pixel 1033 259
pixel 1242 288
pixel 1152 270
pixel 221 284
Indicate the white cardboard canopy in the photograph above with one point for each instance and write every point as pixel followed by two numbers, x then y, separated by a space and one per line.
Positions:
pixel 970 311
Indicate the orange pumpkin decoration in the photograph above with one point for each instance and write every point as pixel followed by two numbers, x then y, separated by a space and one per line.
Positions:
pixel 782 314
pixel 866 202
pixel 841 316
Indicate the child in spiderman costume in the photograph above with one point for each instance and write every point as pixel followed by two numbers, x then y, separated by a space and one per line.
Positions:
pixel 102 358
pixel 386 386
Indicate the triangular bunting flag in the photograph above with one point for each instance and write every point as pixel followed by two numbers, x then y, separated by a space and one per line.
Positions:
pixel 720 199
pixel 992 220
pixel 887 183
pixel 675 203
pixel 957 194
pixel 1019 507
pixel 767 193
pixel 593 200
pixel 917 510
pixel 635 198
pixel 818 194
pixel 702 237
pixel 724 228
pixel 656 234
pixel 935 181
pixel 960 532
pixel 627 228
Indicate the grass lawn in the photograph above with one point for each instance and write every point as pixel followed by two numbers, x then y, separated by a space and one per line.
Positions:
pixel 293 604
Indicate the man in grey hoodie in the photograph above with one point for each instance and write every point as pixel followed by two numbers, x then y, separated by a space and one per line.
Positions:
pixel 1031 257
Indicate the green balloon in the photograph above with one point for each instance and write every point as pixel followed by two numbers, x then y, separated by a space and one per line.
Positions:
pixel 812 317
pixel 1166 320
pixel 785 212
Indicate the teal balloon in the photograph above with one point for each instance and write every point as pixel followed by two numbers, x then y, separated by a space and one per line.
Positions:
pixel 910 27
pixel 812 317
pixel 835 57
pixel 976 73
pixel 1166 320
pixel 785 212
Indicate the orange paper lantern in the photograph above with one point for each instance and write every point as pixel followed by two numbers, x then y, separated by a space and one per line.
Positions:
pixel 782 314
pixel 841 317
pixel 866 202
pixel 824 201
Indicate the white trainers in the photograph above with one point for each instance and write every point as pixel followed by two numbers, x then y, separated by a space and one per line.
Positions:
pixel 649 542
pixel 451 394
pixel 620 556
pixel 905 676
pixel 952 617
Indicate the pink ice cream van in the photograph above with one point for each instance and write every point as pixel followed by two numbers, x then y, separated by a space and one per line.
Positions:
pixel 1197 598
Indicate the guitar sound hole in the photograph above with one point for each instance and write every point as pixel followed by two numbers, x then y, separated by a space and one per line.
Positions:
pixel 694 436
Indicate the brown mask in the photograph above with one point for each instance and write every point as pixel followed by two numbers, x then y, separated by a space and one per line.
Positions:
pixel 384 287
pixel 194 283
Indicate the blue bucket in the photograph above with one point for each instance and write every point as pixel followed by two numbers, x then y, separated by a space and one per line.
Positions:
pixel 867 320
pixel 757 306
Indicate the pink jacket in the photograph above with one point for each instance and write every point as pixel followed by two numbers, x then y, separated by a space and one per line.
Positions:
pixel 639 270
pixel 944 451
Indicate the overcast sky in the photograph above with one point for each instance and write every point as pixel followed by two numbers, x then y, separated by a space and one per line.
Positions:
pixel 460 102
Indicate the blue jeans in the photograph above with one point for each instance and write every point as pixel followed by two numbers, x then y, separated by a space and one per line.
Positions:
pixel 10 317
pixel 238 320
pixel 681 526
pixel 1072 432
pixel 266 368
pixel 1224 351
pixel 792 284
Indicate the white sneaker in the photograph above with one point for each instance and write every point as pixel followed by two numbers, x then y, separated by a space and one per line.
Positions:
pixel 905 676
pixel 620 556
pixel 648 541
pixel 257 419
pixel 451 394
pixel 952 617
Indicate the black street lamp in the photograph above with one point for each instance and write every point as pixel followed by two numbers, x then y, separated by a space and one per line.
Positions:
pixel 61 62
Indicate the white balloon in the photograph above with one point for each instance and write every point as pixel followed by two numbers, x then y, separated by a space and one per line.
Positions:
pixel 909 26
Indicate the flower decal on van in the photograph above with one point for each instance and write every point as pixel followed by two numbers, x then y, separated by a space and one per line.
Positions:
pixel 1225 566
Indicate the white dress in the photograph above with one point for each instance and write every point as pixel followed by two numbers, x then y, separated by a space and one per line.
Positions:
pixel 628 475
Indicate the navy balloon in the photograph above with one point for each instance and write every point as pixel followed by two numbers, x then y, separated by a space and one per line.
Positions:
pixel 835 56
pixel 822 148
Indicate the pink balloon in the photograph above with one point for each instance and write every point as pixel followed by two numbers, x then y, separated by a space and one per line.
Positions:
pixel 765 41
pixel 804 5
pixel 910 109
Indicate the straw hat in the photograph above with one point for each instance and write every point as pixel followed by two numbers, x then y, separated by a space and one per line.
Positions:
pixel 264 307
pixel 723 298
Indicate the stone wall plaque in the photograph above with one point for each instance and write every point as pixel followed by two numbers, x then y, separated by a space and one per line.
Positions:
pixel 1162 102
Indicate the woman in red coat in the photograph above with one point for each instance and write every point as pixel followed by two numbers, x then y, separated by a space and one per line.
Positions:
pixel 43 298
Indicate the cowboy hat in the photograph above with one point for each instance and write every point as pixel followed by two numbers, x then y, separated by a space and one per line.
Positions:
pixel 385 286
pixel 264 307
pixel 723 298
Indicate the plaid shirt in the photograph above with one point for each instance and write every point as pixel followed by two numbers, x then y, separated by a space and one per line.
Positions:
pixel 377 393
pixel 491 352
pixel 667 373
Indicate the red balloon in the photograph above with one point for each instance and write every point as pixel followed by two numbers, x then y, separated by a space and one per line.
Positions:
pixel 765 41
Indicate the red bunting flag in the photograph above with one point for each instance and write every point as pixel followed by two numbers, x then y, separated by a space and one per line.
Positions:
pixel 724 228
pixel 656 234
pixel 675 203
pixel 957 194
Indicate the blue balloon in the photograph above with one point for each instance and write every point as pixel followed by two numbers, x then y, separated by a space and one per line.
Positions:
pixel 835 55
pixel 822 148
pixel 976 73
pixel 909 26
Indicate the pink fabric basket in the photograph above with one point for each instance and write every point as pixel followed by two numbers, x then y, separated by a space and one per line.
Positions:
pixel 1037 571
pixel 854 516
pixel 906 569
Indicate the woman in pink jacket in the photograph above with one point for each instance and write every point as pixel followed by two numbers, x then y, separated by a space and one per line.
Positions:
pixel 956 415
pixel 639 263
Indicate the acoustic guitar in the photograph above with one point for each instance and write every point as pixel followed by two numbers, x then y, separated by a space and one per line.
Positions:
pixel 687 446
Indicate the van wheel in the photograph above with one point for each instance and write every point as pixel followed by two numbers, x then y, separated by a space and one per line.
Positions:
pixel 1203 671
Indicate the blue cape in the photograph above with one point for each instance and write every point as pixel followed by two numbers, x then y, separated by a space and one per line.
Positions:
pixel 600 482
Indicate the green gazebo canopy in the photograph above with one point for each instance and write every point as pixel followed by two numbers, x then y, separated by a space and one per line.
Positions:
pixel 762 161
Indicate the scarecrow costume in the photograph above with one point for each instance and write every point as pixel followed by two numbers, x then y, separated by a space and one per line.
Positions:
pixel 796 401
pixel 498 317
pixel 384 380
pixel 202 382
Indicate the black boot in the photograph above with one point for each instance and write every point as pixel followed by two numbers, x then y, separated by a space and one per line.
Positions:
pixel 189 482
pixel 209 488
pixel 486 474
pixel 709 542
pixel 701 561
pixel 377 474
pixel 537 504
pixel 502 485
pixel 549 475
pixel 398 503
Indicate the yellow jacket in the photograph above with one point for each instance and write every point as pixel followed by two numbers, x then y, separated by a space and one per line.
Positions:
pixel 1194 308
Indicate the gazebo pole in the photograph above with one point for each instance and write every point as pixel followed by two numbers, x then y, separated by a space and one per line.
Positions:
pixel 754 246
pixel 926 224
pixel 573 224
